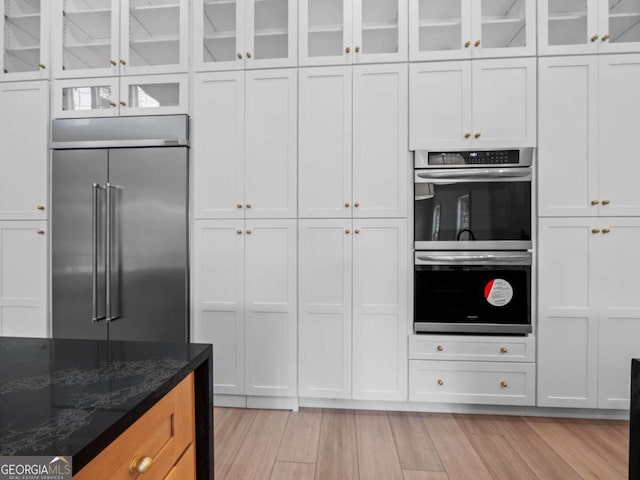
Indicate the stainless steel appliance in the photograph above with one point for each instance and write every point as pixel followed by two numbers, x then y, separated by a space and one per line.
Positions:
pixel 120 228
pixel 472 292
pixel 472 238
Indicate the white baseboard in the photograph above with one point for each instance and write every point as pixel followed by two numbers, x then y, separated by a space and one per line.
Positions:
pixel 233 401
pixel 243 401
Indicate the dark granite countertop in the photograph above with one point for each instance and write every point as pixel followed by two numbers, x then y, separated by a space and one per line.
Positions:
pixel 74 397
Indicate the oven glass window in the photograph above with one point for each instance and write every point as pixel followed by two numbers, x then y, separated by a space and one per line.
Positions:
pixel 468 211
pixel 473 294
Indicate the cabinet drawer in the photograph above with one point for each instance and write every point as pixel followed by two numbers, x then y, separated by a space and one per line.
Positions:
pixel 163 433
pixel 476 349
pixel 185 469
pixel 491 383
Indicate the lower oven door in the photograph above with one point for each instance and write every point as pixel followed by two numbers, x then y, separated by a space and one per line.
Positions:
pixel 472 292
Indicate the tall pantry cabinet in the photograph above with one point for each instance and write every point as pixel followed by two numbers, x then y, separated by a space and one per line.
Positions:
pixel 589 226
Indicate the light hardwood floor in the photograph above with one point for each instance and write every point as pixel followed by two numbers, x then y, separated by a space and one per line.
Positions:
pixel 317 444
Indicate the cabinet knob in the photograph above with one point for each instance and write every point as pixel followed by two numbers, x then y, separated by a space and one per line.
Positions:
pixel 347 204
pixel 123 61
pixel 595 202
pixel 477 135
pixel 112 103
pixel 605 37
pixel 239 56
pixel 467 44
pixel 606 230
pixel 238 205
pixel 467 135
pixel 503 350
pixel 40 232
pixel 504 384
pixel 347 50
pixel 113 62
pixel 440 381
pixel 477 44
pixel 248 205
pixel 123 103
pixel 357 49
pixel 347 231
pixel 595 230
pixel 248 54
pixel 606 202
pixel 249 232
pixel 595 37
pixel 140 464
pixel 440 348
pixel 40 207
pixel 41 66
pixel 239 232
pixel 357 204
pixel 357 231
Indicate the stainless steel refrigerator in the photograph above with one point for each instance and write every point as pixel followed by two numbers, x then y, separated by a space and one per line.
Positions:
pixel 119 228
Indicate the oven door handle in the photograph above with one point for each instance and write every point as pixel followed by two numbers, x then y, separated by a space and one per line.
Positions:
pixel 473 175
pixel 481 259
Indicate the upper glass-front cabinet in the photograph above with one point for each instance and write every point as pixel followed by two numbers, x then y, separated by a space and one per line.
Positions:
pixel 237 34
pixel 588 26
pixel 452 29
pixel 352 31
pixel 25 30
pixel 111 37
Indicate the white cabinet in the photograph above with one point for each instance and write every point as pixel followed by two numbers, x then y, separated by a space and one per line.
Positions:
pixel 353 308
pixel 23 279
pixel 245 303
pixel 589 314
pixel 237 34
pixel 245 144
pixel 473 104
pixel 456 29
pixel 113 96
pixel 588 26
pixel 353 141
pixel 93 38
pixel 24 39
pixel 24 130
pixel 591 139
pixel 352 31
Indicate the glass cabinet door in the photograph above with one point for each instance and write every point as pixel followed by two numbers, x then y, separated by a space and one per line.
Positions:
pixel 620 25
pixel 271 33
pixel 219 34
pixel 23 32
pixel 88 38
pixel 440 29
pixel 85 98
pixel 152 34
pixel 503 28
pixel 380 28
pixel 567 22
pixel 326 32
pixel 158 94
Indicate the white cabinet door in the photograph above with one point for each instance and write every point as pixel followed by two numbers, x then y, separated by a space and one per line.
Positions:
pixel 619 104
pixel 440 105
pixel 568 136
pixel 380 31
pixel 504 103
pixel 567 27
pixel 218 145
pixel 326 32
pixel 271 310
pixel 380 103
pixel 617 266
pixel 567 313
pixel 24 127
pixel 324 183
pixel 271 33
pixel 218 294
pixel 380 338
pixel 24 39
pixel 154 95
pixel 23 279
pixel 154 36
pixel 324 286
pixel 88 97
pixel 218 34
pixel 618 29
pixel 271 144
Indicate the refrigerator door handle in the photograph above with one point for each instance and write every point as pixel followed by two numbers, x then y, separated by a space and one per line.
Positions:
pixel 108 256
pixel 94 256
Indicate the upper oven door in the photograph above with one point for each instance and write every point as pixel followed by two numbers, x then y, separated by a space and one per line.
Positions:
pixel 472 209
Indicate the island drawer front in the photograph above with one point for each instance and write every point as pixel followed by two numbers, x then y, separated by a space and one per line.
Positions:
pixel 185 469
pixel 489 383
pixel 162 433
pixel 471 348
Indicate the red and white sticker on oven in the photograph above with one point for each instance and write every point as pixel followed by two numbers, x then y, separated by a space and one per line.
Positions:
pixel 498 292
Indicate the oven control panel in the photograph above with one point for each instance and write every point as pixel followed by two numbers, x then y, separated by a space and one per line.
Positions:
pixel 474 158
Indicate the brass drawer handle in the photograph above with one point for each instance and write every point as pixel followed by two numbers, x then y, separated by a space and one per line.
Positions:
pixel 123 103
pixel 595 230
pixel 357 204
pixel 248 205
pixel 606 202
pixel 140 464
pixel 477 135
pixel 477 44
pixel 503 350
pixel 440 381
pixel 347 50
pixel 595 202
pixel 605 37
pixel 504 384
pixel 113 62
pixel 467 135
pixel 357 49
pixel 40 232
pixel 467 44
pixel 249 232
pixel 40 207
pixel 595 37
pixel 347 204
pixel 347 231
pixel 606 230
pixel 238 205
pixel 239 56
pixel 41 66
pixel 123 62
pixel 239 232
pixel 357 231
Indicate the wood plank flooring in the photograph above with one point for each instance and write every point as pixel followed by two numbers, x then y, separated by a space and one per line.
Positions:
pixel 322 444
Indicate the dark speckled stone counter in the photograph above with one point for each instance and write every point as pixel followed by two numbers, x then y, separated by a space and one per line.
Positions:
pixel 75 397
pixel 634 426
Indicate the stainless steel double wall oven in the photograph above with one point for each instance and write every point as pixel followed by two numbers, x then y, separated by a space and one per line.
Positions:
pixel 472 232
